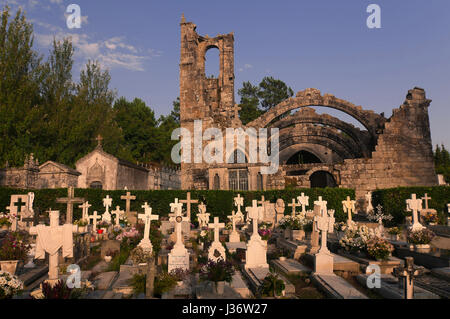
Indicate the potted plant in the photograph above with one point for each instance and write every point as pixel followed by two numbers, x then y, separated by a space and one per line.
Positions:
pixel 421 239
pixel 180 275
pixel 379 248
pixel 264 231
pixel 5 222
pixel 82 225
pixel 272 286
pixel 395 232
pixel 12 251
pixel 217 272
pixel 10 285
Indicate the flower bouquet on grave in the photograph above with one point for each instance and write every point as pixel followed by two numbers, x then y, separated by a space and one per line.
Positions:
pixel 10 285
pixel 220 271
pixel 420 237
pixel 180 275
pixel 379 248
pixel 265 231
pixel 431 219
pixel 5 221
pixel 139 256
pixel 272 286
pixel 355 238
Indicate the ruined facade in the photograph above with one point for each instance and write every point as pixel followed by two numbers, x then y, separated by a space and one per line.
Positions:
pixel 316 150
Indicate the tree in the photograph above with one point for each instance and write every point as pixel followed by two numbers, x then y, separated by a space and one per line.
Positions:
pixel 442 162
pixel 257 99
pixel 272 92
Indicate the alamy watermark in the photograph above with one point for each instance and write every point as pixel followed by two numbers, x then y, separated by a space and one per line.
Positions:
pixel 374 279
pixel 259 144
pixel 73 20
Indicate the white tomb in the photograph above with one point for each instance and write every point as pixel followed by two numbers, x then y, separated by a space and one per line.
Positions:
pixel 147 217
pixel 323 261
pixel 239 202
pixel 234 236
pixel 202 216
pixel 50 239
pixel 414 205
pixel 216 250
pixel 179 255
pixel 256 254
pixel 118 215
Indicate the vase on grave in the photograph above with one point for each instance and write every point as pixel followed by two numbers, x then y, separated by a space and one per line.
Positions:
pixel 108 259
pixel 220 287
pixel 9 266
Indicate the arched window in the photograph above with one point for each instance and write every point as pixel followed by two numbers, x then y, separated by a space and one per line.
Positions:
pixel 322 179
pixel 216 184
pixel 259 182
pixel 238 157
pixel 212 63
pixel 96 185
pixel 238 179
pixel 303 157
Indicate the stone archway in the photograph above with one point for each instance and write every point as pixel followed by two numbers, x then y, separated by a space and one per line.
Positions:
pixel 323 175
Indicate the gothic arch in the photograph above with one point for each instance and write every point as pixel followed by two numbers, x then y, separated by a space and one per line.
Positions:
pixel 312 97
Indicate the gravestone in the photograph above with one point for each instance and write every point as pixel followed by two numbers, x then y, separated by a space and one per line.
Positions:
pixel 202 216
pixel 425 211
pixel 50 239
pixel 239 202
pixel 234 235
pixel 408 272
pixel 323 263
pixel 107 203
pixel 94 217
pixel 118 214
pixel 269 213
pixel 147 217
pixel 188 201
pixel 85 211
pixel 16 208
pixel 279 208
pixel 69 201
pixel 303 201
pixel 179 255
pixel 293 204
pixel 131 216
pixel 315 234
pixel 256 254
pixel 369 207
pixel 414 205
pixel 349 208
pixel 216 250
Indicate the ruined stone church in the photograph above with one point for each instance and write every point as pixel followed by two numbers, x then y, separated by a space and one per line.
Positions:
pixel 388 152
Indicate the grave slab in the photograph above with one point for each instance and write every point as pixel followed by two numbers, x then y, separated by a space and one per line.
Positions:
pixel 104 280
pixel 391 289
pixel 239 285
pixel 206 290
pixel 233 247
pixel 336 287
pixel 290 266
pixel 295 248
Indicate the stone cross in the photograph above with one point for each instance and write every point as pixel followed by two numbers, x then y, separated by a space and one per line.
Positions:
pixel 349 207
pixel 107 203
pixel 15 208
pixel 233 219
pixel 408 272
pixel 188 201
pixel 19 204
pixel 70 200
pixel 322 204
pixel 216 226
pixel 238 202
pixel 414 205
pixel 130 215
pixel 147 217
pixel 203 216
pixel 50 239
pixel 426 199
pixel 178 218
pixel 293 205
pixel 117 213
pixel 325 224
pixel 304 201
pixel 369 207
pixel 94 218
pixel 85 207
pixel 262 201
pixel 253 213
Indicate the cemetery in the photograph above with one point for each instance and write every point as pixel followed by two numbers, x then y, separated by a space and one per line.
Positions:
pixel 71 244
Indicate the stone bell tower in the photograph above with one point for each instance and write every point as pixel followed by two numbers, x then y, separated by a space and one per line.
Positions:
pixel 208 99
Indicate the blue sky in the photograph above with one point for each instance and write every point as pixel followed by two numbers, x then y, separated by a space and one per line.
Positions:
pixel 323 44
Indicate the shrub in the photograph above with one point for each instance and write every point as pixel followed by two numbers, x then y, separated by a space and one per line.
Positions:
pixel 217 271
pixel 272 286
pixel 164 282
pixel 379 248
pixel 10 285
pixel 13 247
pixel 57 291
pixel 138 282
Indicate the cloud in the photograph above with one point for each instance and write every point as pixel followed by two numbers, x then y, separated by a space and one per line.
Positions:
pixel 245 67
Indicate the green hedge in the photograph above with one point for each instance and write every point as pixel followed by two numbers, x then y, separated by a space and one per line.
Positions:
pixel 393 200
pixel 219 203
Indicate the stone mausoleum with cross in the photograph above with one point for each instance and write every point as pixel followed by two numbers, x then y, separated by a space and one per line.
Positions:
pixel 316 150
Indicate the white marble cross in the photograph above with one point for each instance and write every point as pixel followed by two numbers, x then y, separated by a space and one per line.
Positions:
pixel 216 226
pixel 322 203
pixel 178 218
pixel 293 205
pixel 107 203
pixel 203 216
pixel 349 207
pixel 369 207
pixel 233 218
pixel 254 213
pixel 304 201
pixel 85 207
pixel 426 199
pixel 324 223
pixel 50 239
pixel 414 205
pixel 239 202
pixel 147 217
pixel 94 218
pixel 118 213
